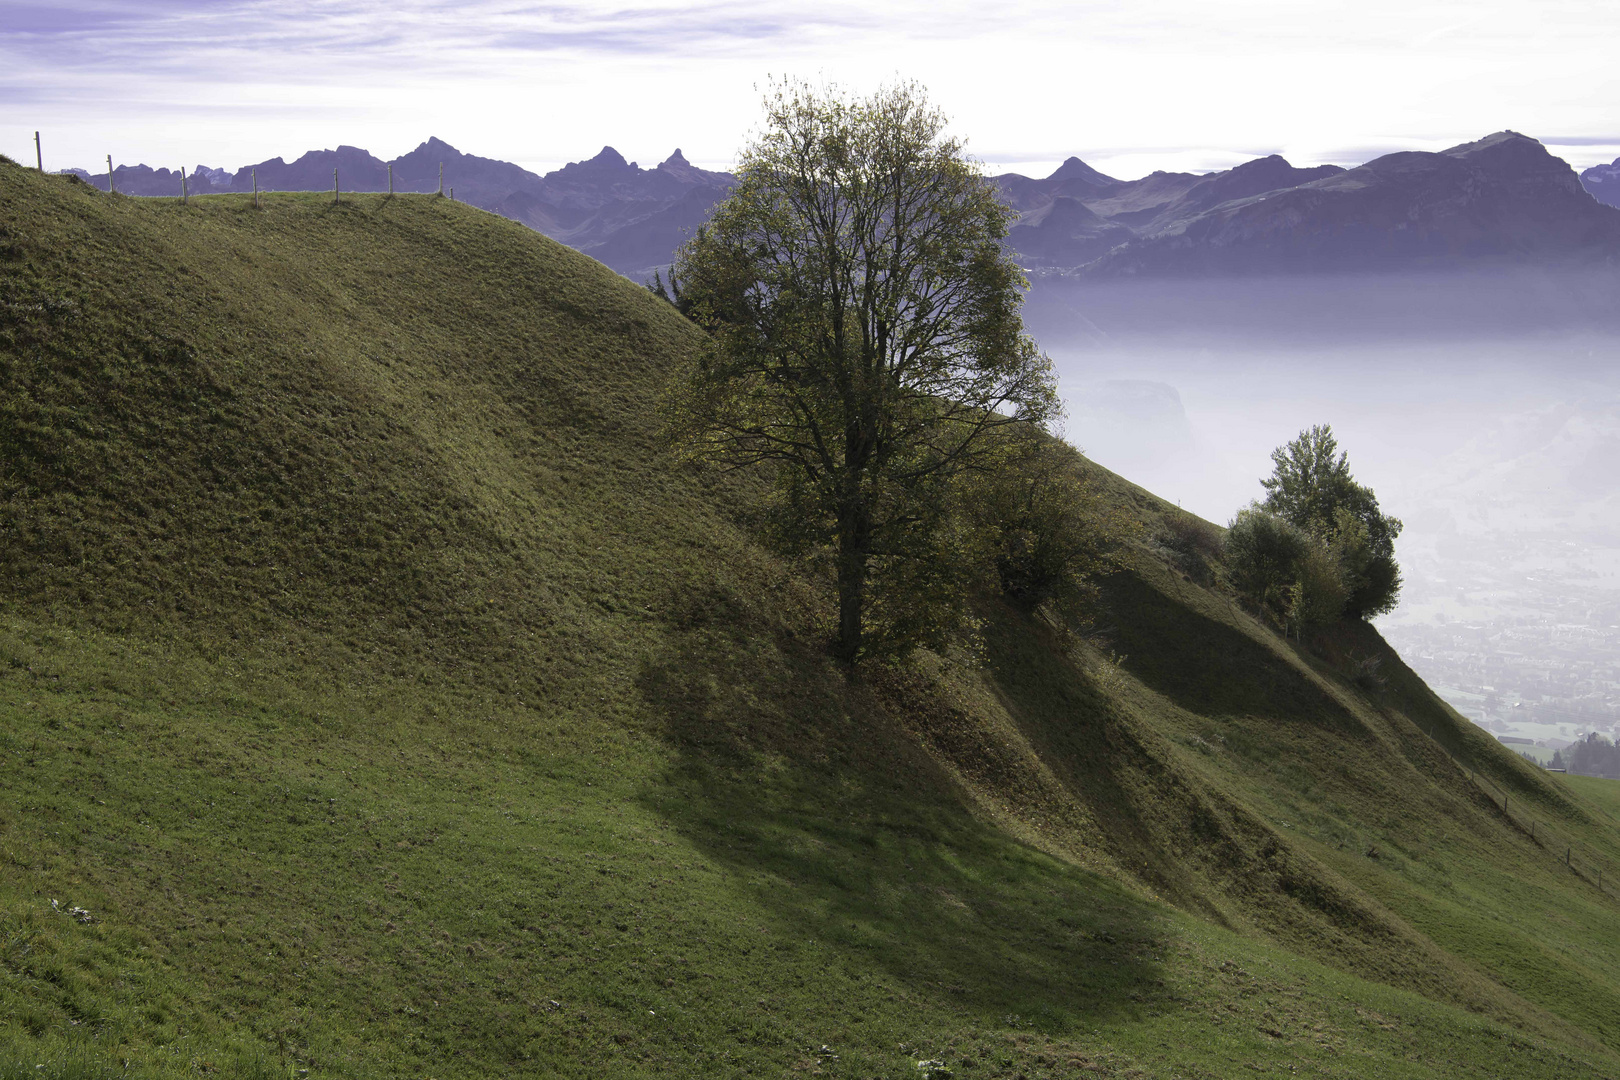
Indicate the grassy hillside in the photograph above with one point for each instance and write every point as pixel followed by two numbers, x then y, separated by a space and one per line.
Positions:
pixel 376 700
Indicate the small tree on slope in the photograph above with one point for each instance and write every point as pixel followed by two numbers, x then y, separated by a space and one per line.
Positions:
pixel 864 338
pixel 1311 487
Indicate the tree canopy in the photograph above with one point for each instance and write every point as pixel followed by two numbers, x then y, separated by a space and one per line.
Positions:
pixel 1308 483
pixel 1311 488
pixel 863 339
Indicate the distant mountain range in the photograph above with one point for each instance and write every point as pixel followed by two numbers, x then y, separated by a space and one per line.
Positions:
pixel 1503 199
pixel 628 217
pixel 1603 181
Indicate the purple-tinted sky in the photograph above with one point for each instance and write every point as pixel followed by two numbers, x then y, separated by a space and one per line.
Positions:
pixel 1130 86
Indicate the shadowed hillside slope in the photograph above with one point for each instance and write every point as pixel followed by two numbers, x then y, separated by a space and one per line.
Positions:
pixel 376 699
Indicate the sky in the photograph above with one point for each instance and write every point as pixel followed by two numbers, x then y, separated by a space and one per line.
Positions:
pixel 1128 86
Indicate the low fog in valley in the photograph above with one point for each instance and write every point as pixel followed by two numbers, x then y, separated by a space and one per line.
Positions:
pixel 1483 409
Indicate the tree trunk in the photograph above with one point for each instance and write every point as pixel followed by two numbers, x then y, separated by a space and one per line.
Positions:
pixel 854 547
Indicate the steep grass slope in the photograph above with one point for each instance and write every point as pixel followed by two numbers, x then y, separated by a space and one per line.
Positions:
pixel 377 700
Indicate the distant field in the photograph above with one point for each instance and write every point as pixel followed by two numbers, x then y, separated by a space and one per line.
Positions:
pixel 1599 791
pixel 1540 753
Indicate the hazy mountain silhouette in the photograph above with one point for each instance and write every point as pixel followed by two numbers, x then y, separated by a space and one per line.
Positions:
pixel 1065 232
pixel 145 180
pixel 1503 199
pixel 628 217
pixel 1603 181
pixel 1073 179
pixel 477 180
pixel 357 171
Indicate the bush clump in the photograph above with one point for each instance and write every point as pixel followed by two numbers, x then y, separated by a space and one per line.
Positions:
pixel 1194 545
pixel 1318 547
pixel 1263 552
pixel 1043 526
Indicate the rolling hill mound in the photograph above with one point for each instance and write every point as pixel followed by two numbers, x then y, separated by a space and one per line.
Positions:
pixel 376 699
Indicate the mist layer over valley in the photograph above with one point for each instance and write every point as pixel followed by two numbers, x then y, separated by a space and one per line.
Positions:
pixel 1484 408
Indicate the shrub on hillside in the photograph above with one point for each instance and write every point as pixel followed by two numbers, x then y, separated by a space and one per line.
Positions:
pixel 1193 543
pixel 1318 547
pixel 672 294
pixel 1042 527
pixel 1311 487
pixel 1367 672
pixel 1262 552
pixel 1318 593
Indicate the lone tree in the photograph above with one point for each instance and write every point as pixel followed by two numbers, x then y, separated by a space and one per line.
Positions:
pixel 864 336
pixel 1311 487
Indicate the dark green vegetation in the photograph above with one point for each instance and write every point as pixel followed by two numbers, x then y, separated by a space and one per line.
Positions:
pixel 388 706
pixel 863 344
pixel 1593 755
pixel 1318 548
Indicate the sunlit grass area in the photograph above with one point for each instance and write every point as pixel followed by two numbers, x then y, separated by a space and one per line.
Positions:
pixel 377 698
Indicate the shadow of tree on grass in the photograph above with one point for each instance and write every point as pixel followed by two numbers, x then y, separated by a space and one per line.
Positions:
pixel 1209 667
pixel 818 803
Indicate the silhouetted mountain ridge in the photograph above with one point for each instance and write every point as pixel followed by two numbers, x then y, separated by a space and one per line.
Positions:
pixel 585 204
pixel 1603 182
pixel 1504 198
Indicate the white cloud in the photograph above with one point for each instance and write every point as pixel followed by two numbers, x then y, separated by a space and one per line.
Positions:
pixel 1182 84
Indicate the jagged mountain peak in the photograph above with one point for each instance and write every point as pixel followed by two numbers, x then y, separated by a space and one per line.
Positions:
pixel 609 156
pixel 1075 169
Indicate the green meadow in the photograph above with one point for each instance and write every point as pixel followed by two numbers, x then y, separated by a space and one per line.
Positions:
pixel 378 698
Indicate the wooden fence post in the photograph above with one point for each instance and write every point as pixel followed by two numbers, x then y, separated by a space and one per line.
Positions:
pixel 39 156
pixel 441 179
pixel 390 179
pixel 111 190
pixel 334 188
pixel 185 196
